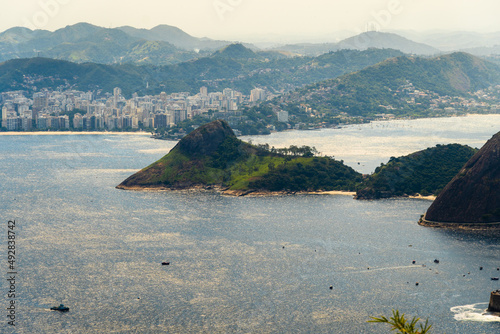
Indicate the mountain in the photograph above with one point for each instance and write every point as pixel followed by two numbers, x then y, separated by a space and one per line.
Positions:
pixel 211 156
pixel 473 195
pixel 401 86
pixel 249 69
pixel 484 51
pixel 235 51
pixel 424 172
pixel 84 42
pixel 361 42
pixel 175 36
pixel 218 71
pixel 26 74
pixel 382 40
pixel 449 41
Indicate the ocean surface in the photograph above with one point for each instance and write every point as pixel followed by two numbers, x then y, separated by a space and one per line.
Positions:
pixel 237 265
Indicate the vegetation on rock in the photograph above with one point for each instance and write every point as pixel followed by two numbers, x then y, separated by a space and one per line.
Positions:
pixel 425 172
pixel 212 156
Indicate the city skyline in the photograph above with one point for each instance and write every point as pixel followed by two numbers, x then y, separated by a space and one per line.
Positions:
pixel 258 20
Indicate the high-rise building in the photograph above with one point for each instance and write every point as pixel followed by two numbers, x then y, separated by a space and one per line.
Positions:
pixel 40 101
pixel 257 94
pixel 117 92
pixel 204 91
pixel 160 121
pixel 283 116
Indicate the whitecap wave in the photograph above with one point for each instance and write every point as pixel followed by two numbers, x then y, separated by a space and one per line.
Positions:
pixel 474 312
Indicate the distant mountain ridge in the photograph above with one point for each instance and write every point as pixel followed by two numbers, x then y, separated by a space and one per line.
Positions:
pixel 175 36
pixel 449 41
pixel 364 41
pixel 83 42
pixel 163 45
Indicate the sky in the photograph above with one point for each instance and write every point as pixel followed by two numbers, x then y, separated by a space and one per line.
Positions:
pixel 247 20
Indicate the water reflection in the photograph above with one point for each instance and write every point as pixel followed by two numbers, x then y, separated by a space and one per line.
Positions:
pixel 237 264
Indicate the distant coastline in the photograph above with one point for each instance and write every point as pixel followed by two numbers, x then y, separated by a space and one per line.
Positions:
pixel 51 133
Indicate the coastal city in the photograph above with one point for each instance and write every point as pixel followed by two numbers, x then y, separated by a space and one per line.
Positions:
pixel 77 110
pixel 70 109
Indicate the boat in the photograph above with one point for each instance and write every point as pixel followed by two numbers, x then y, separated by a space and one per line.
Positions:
pixel 495 278
pixel 165 263
pixel 60 308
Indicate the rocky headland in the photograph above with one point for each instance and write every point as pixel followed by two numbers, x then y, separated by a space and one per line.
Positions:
pixel 472 198
pixel 212 158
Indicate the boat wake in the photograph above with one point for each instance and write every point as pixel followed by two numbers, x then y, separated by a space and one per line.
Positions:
pixel 474 312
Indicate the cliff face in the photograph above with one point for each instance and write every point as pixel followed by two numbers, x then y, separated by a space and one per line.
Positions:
pixel 473 195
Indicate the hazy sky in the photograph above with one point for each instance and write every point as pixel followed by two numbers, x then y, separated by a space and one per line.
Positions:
pixel 240 19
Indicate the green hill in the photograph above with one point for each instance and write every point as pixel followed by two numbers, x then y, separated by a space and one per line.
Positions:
pixel 235 51
pixel 174 36
pixel 49 73
pixel 212 156
pixel 83 42
pixel 216 72
pixel 425 172
pixel 401 86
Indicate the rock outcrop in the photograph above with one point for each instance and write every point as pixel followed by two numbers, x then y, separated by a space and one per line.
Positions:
pixel 494 305
pixel 185 165
pixel 472 198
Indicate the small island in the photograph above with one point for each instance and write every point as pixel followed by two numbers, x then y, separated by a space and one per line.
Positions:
pixel 212 157
pixel 422 173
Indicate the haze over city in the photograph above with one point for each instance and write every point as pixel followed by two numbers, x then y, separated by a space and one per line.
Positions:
pixel 259 20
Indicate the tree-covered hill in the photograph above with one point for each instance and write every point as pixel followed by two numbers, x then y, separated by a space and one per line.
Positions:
pixel 401 86
pixel 425 172
pixel 243 73
pixel 83 42
pixel 212 156
pixel 37 73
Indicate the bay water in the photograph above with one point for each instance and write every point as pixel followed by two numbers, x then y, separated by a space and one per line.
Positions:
pixel 285 264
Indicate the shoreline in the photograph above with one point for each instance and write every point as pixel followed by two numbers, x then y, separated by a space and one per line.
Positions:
pixel 36 133
pixel 60 133
pixel 428 198
pixel 234 193
pixel 256 193
pixel 458 226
